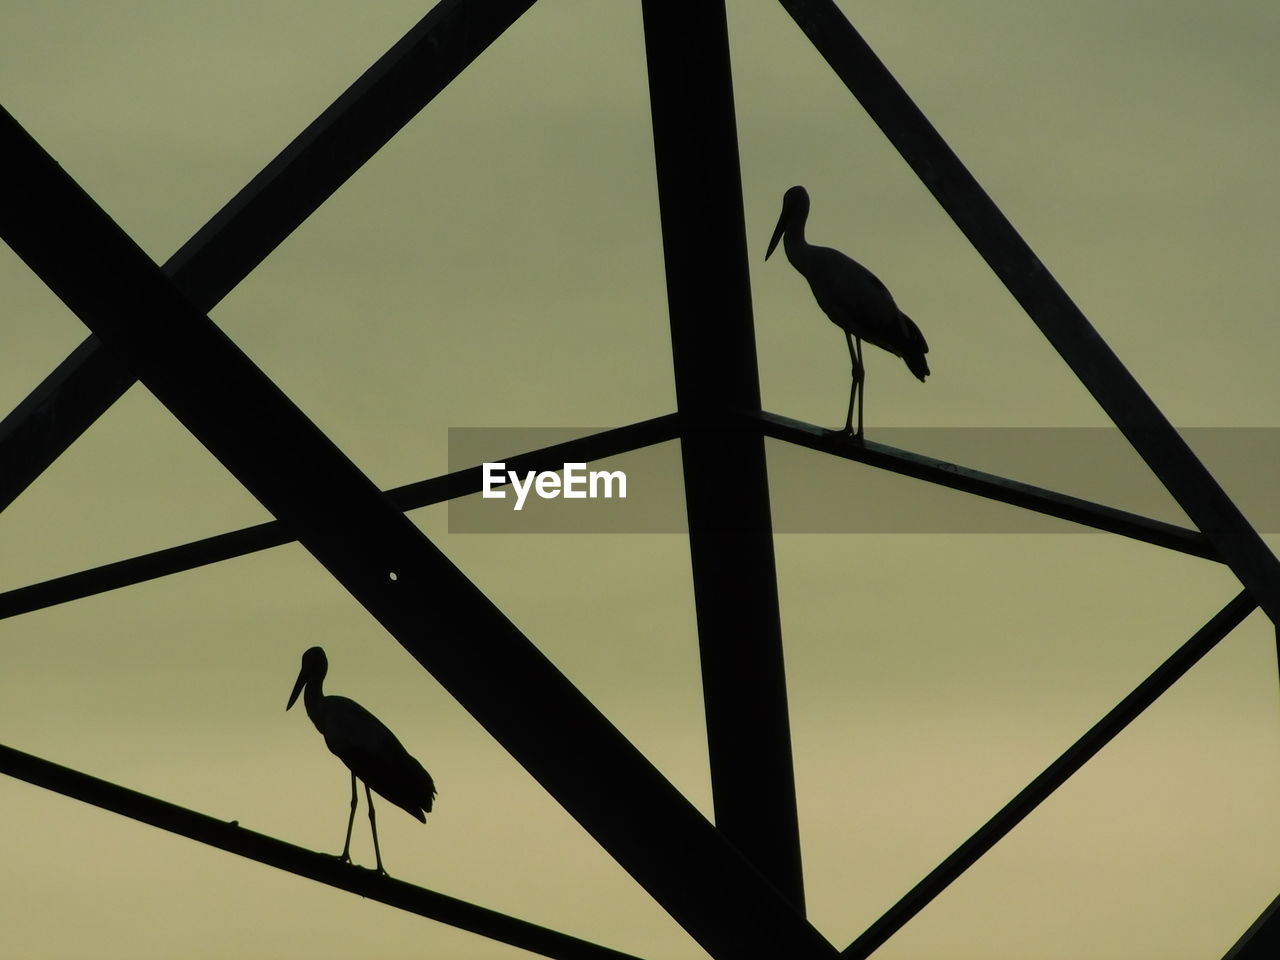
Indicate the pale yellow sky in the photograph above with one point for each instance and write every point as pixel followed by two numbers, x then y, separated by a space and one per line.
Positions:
pixel 499 264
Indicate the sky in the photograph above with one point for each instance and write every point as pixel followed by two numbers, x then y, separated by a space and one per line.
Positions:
pixel 499 264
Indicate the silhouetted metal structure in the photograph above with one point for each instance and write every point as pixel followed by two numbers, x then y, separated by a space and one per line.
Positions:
pixel 735 887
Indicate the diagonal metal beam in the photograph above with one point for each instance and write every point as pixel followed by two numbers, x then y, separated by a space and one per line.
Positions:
pixel 257 219
pixel 714 359
pixel 263 536
pixel 1054 776
pixel 440 617
pixel 323 868
pixel 1058 318
pixel 56 413
pixel 421 493
pixel 988 485
pixel 1262 940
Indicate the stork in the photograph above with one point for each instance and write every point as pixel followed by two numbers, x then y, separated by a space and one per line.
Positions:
pixel 852 297
pixel 371 751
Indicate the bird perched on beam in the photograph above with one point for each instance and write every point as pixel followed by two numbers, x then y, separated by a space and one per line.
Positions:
pixel 852 297
pixel 371 751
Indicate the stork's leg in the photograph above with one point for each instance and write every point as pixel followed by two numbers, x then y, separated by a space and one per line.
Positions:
pixel 346 847
pixel 855 359
pixel 862 390
pixel 373 825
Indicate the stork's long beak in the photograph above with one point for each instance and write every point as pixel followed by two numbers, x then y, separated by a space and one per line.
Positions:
pixel 783 220
pixel 297 689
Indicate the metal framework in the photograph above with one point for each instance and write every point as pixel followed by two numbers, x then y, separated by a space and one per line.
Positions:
pixel 736 887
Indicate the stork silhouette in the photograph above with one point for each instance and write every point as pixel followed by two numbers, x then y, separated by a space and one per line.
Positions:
pixel 852 297
pixel 371 751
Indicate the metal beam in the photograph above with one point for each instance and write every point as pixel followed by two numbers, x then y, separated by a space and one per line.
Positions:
pixel 1262 940
pixel 262 536
pixel 56 413
pixel 1058 318
pixel 714 358
pixel 389 566
pixel 1056 774
pixel 321 867
pixel 421 493
pixel 257 219
pixel 988 485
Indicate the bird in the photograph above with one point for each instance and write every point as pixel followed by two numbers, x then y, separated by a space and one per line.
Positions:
pixel 852 297
pixel 362 742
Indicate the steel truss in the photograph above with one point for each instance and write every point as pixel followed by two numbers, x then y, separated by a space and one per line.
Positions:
pixel 736 887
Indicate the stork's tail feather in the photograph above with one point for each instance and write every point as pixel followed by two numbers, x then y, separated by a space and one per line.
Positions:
pixel 917 364
pixel 917 347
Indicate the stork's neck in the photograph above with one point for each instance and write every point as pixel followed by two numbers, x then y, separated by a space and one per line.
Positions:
pixel 793 240
pixel 313 701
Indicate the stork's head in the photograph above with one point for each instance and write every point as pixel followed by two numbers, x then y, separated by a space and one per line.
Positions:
pixel 795 208
pixel 314 666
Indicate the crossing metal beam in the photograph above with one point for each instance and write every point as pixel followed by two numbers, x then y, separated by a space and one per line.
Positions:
pixel 420 493
pixel 1053 776
pixel 263 536
pixel 714 358
pixel 389 566
pixel 258 218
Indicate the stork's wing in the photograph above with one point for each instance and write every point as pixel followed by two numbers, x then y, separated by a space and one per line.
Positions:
pixel 856 301
pixel 372 753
